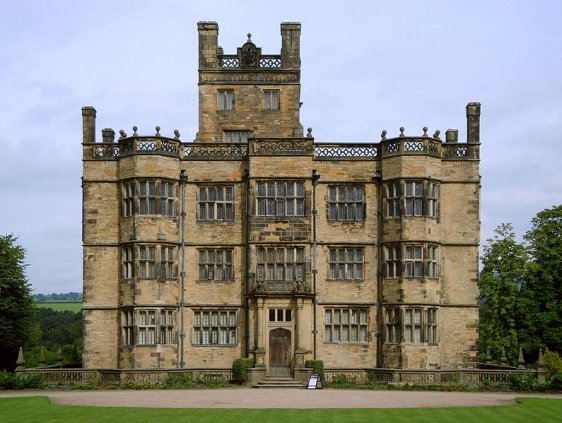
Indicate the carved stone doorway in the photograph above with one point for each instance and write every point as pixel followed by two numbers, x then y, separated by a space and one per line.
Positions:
pixel 280 352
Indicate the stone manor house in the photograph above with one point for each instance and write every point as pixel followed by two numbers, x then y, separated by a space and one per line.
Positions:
pixel 255 240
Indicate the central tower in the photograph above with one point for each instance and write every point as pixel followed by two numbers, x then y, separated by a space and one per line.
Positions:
pixel 248 94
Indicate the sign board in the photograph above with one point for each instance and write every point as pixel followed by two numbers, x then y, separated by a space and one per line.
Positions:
pixel 314 382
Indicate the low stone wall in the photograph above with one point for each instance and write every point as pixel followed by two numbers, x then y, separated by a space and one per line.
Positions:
pixel 418 377
pixel 430 377
pixel 119 376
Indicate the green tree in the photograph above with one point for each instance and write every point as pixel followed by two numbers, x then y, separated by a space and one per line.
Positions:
pixel 542 319
pixel 504 266
pixel 16 304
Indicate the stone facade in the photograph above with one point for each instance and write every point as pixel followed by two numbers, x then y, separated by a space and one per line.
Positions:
pixel 255 240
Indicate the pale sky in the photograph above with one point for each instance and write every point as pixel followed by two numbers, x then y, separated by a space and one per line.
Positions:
pixel 366 66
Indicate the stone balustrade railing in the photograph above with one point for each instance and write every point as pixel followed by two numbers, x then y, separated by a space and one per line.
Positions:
pixel 173 147
pixel 359 375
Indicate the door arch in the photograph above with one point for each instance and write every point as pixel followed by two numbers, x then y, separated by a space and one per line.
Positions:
pixel 280 352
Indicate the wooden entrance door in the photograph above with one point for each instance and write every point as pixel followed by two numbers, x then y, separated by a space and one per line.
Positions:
pixel 280 352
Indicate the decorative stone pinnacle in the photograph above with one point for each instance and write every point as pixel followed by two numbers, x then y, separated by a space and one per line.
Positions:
pixel 401 131
pixel 309 132
pixel 521 360
pixel 176 134
pixel 436 134
pixel 249 37
pixel 383 135
pixel 157 130
pixel 135 131
pixel 425 131
pixel 122 134
pixel 20 362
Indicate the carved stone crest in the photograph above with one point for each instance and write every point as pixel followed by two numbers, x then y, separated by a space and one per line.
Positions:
pixel 249 55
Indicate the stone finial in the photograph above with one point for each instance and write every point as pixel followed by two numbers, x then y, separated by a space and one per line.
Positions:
pixel 176 134
pixel 383 135
pixel 309 133
pixel 42 359
pixel 436 135
pixel 20 362
pixel 249 37
pixel 122 134
pixel 401 131
pixel 488 356
pixel 425 132
pixel 520 360
pixel 540 360
pixel 135 131
pixel 157 131
pixel 503 359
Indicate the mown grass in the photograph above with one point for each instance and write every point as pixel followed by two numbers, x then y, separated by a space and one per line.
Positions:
pixel 62 306
pixel 40 409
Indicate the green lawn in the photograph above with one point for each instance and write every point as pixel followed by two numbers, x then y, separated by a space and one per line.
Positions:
pixel 62 305
pixel 39 409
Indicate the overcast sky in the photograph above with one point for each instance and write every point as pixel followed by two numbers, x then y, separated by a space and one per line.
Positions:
pixel 366 66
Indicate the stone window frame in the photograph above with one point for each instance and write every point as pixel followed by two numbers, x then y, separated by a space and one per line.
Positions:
pixel 411 198
pixel 219 332
pixel 348 325
pixel 280 264
pixel 138 262
pixel 432 261
pixel 148 197
pixel 148 326
pixel 214 262
pixel 271 99
pixel 343 267
pixel 411 324
pixel 238 136
pixel 393 324
pixel 280 198
pixel 413 262
pixel 280 315
pixel 146 263
pixel 426 264
pixel 214 200
pixel 412 328
pixel 392 262
pixel 392 192
pixel 128 190
pixel 128 262
pixel 225 99
pixel 346 203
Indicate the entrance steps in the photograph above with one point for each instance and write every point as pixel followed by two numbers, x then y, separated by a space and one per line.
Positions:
pixel 285 382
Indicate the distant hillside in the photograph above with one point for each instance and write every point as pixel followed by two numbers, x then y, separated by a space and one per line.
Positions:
pixel 69 296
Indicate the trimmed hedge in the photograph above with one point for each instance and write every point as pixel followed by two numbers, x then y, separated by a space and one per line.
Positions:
pixel 240 368
pixel 317 365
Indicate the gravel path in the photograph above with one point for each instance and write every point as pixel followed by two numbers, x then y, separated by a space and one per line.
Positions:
pixel 275 398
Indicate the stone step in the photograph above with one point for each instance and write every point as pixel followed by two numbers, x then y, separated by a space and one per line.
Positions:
pixel 272 382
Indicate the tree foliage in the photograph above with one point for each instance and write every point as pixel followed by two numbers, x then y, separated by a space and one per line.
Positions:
pixel 16 304
pixel 521 287
pixel 502 276
pixel 543 288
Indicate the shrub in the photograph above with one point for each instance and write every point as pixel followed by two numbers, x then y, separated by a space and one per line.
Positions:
pixel 556 381
pixel 180 380
pixel 522 382
pixel 341 381
pixel 317 366
pixel 240 368
pixel 552 363
pixel 20 381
